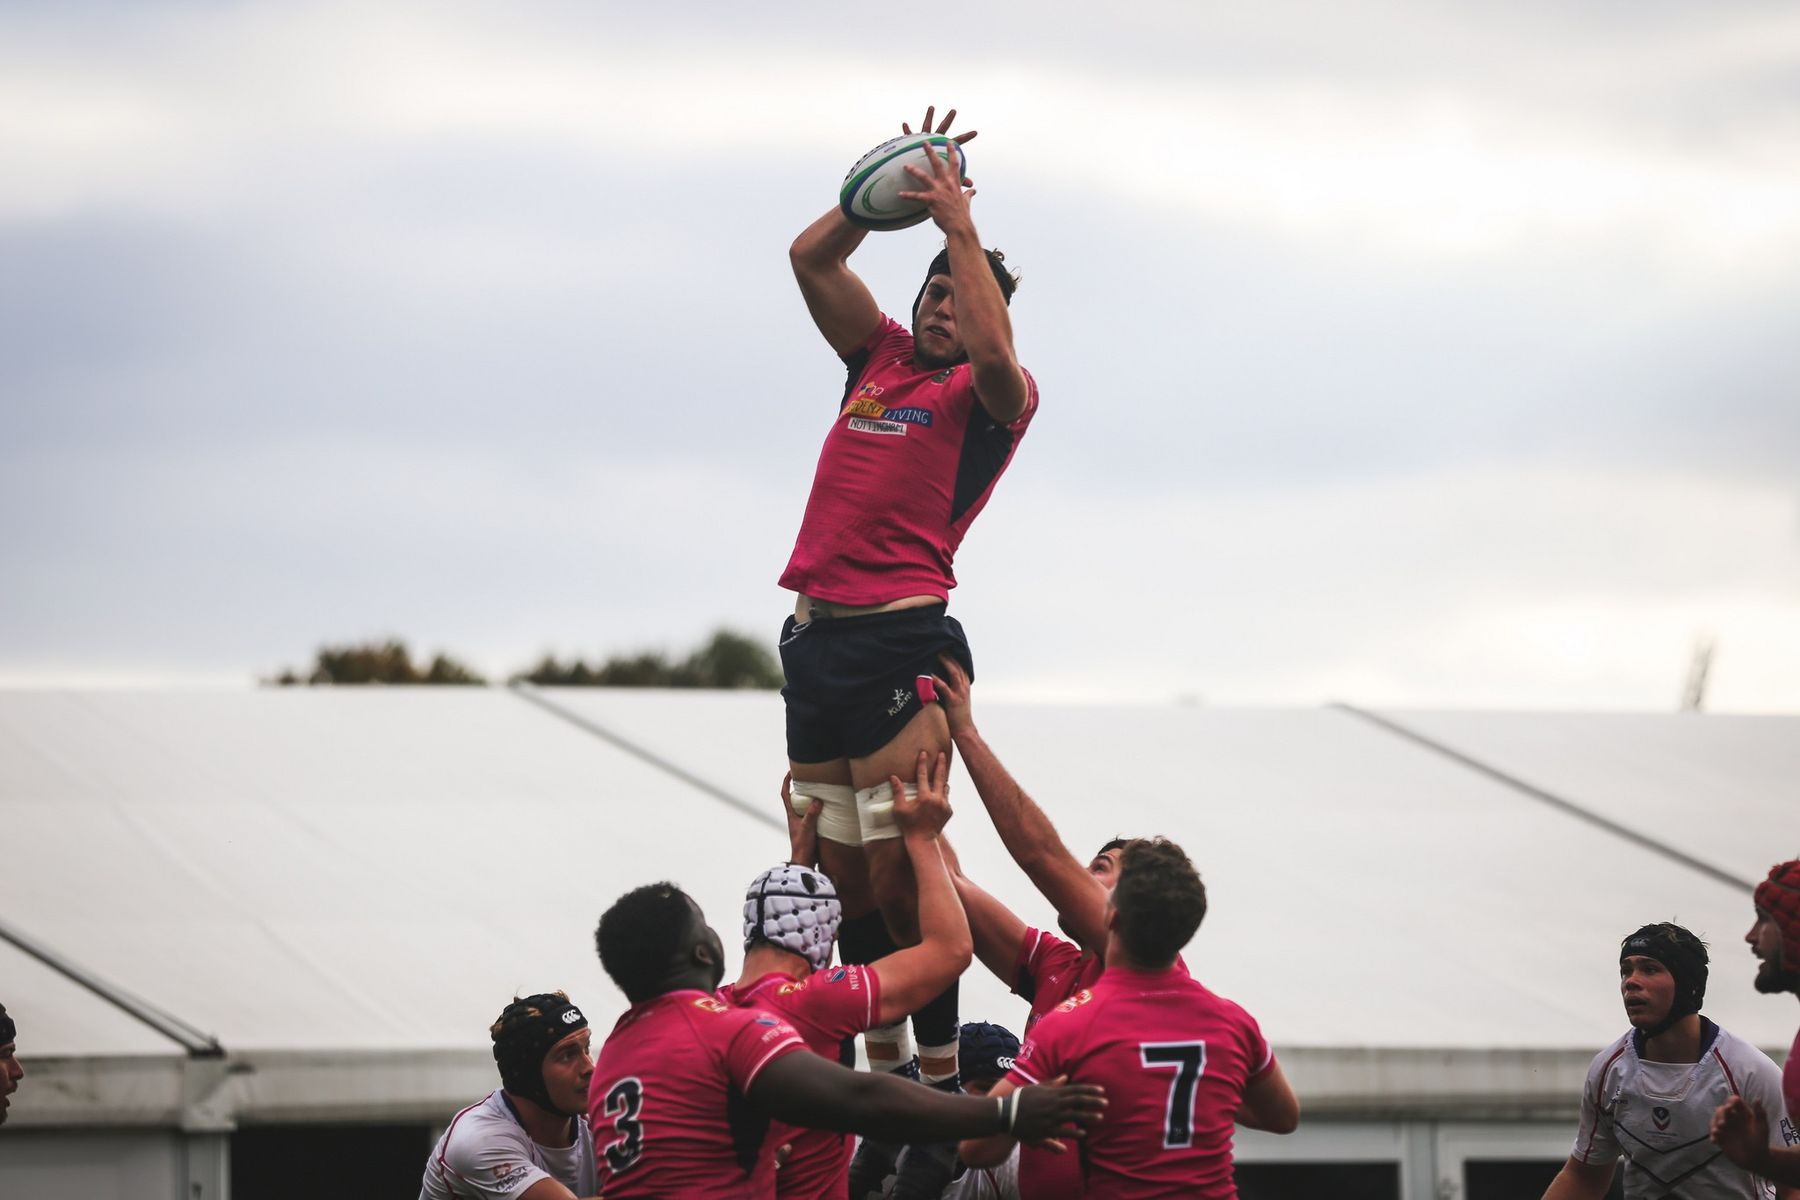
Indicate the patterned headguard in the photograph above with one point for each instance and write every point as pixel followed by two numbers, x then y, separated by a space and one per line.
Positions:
pixel 1779 896
pixel 796 909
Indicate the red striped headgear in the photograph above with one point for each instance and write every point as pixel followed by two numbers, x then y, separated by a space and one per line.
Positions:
pixel 1779 896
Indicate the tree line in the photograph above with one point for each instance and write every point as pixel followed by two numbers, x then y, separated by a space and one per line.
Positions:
pixel 725 660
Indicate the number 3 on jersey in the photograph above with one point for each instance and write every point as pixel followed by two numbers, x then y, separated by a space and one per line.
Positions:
pixel 1189 1061
pixel 622 1105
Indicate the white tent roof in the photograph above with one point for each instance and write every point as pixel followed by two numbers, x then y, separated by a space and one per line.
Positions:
pixel 345 885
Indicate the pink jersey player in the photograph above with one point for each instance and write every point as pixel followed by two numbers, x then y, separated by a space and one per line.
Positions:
pixel 667 1097
pixel 1180 1065
pixel 825 1008
pixel 1175 1061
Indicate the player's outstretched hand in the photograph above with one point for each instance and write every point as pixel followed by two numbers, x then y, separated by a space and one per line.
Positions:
pixel 1059 1109
pixel 928 813
pixel 943 126
pixel 1741 1130
pixel 803 831
pixel 953 692
pixel 942 190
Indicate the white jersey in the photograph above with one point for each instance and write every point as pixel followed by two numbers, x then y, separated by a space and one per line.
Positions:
pixel 987 1183
pixel 1658 1116
pixel 978 1183
pixel 487 1155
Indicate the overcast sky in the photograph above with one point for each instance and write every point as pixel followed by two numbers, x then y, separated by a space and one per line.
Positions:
pixel 1398 353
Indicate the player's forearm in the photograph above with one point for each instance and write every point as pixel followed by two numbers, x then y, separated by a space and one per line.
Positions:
pixel 826 245
pixel 1580 1181
pixel 1777 1165
pixel 987 1151
pixel 891 1108
pixel 1024 828
pixel 943 925
pixel 981 313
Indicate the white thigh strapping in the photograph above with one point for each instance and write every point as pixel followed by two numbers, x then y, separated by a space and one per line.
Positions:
pixel 875 811
pixel 838 818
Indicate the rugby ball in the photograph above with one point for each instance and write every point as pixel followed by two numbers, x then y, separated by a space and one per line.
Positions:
pixel 870 196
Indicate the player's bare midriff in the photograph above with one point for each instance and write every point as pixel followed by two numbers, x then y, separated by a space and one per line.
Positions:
pixel 806 608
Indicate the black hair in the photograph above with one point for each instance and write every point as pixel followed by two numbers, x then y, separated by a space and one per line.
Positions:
pixel 1117 843
pixel 1159 900
pixel 639 937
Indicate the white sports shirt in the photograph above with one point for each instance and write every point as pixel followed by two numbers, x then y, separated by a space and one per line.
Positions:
pixel 1658 1115
pixel 486 1154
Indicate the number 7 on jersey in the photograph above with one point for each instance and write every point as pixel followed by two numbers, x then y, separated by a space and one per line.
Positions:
pixel 1189 1061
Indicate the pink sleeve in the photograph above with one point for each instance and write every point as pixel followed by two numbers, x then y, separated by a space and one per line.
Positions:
pixel 1041 1055
pixel 1259 1055
pixel 755 1038
pixel 1039 954
pixel 845 1000
pixel 885 328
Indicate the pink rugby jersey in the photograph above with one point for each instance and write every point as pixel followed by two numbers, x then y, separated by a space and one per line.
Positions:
pixel 1174 1060
pixel 667 1101
pixel 1050 970
pixel 826 1008
pixel 909 463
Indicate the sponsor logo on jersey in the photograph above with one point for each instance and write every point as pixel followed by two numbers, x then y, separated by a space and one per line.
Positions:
pixel 837 976
pixel 711 1005
pixel 864 425
pixel 767 1021
pixel 869 391
pixel 1789 1134
pixel 1660 1116
pixel 901 696
pixel 874 409
pixel 506 1175
pixel 1076 1001
pixel 788 989
pixel 942 375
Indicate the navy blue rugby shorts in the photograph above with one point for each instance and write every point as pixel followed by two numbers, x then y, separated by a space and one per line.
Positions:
pixel 852 682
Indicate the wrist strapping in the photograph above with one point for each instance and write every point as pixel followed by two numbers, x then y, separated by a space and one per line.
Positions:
pixel 1009 1110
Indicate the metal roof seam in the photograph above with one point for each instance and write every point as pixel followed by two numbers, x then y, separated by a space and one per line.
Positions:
pixel 533 696
pixel 197 1043
pixel 1569 807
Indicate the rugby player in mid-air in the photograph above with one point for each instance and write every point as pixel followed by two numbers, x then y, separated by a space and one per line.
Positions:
pixel 685 1086
pixel 1650 1096
pixel 791 918
pixel 528 1140
pixel 931 415
pixel 1180 1065
pixel 1750 1134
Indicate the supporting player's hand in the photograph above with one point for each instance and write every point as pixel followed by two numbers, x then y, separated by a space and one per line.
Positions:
pixel 1741 1130
pixel 943 126
pixel 803 831
pixel 927 814
pixel 953 693
pixel 1058 1109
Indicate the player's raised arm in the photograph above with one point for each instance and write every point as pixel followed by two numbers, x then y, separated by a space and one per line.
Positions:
pixel 1025 830
pixel 804 1089
pixel 910 978
pixel 840 302
pixel 980 310
pixel 997 930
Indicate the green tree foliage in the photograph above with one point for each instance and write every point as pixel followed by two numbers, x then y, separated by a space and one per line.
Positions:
pixel 726 660
pixel 377 662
